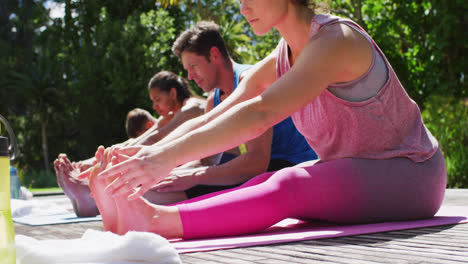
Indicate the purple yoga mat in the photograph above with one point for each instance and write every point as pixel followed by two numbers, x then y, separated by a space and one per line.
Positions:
pixel 291 230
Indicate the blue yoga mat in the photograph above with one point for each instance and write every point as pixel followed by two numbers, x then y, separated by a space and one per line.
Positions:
pixel 56 219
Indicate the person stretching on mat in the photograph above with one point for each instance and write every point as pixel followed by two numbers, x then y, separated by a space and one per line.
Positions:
pixel 204 55
pixel 175 104
pixel 378 161
pixel 138 121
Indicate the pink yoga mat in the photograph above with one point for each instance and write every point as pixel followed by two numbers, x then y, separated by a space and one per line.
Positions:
pixel 292 230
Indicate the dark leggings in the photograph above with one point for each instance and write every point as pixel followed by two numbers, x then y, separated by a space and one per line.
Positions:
pixel 199 190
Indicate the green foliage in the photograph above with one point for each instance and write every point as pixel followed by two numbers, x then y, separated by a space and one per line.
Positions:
pixel 447 118
pixel 264 45
pixel 166 3
pixel 38 179
pixel 111 72
pixel 422 40
pixel 66 84
pixel 160 27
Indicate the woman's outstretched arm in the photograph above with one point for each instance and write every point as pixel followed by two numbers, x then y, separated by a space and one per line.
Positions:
pixel 313 71
pixel 192 109
pixel 255 81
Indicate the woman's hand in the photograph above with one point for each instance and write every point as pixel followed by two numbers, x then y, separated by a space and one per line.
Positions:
pixel 139 171
pixel 180 180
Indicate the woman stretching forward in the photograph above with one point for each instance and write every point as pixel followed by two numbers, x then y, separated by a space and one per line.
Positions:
pixel 174 103
pixel 378 162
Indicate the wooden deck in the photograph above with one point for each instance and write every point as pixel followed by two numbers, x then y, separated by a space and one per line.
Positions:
pixel 441 244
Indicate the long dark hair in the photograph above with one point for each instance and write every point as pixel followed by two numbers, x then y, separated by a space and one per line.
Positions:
pixel 165 80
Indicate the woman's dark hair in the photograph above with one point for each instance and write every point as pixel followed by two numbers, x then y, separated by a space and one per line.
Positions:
pixel 165 80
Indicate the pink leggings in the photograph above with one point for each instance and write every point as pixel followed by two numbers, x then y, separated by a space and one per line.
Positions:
pixel 344 191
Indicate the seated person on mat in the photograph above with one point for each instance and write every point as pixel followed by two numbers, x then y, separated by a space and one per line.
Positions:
pixel 138 121
pixel 378 161
pixel 204 55
pixel 175 104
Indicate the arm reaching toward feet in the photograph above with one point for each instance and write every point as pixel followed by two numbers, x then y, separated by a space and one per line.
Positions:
pixel 345 58
pixel 253 83
pixel 193 108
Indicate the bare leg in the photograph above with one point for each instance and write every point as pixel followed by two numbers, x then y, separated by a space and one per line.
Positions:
pixel 78 192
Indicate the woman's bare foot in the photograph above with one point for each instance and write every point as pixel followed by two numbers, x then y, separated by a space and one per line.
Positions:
pixel 104 201
pixel 120 216
pixel 78 192
pixel 141 215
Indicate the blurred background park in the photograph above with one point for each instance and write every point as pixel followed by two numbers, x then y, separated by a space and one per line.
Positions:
pixel 70 70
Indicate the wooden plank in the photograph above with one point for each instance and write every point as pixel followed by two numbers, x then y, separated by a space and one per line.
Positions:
pixel 239 254
pixel 273 257
pixel 341 253
pixel 207 257
pixel 408 252
pixel 317 254
pixel 390 252
pixel 449 233
pixel 62 231
pixel 415 246
pixel 435 241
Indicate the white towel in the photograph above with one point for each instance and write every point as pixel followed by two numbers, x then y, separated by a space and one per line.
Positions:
pixel 25 194
pixel 20 208
pixel 97 247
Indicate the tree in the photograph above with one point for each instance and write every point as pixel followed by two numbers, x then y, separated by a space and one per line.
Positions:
pixel 421 39
pixel 39 89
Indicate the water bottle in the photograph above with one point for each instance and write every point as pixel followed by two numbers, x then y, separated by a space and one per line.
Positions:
pixel 15 185
pixel 7 233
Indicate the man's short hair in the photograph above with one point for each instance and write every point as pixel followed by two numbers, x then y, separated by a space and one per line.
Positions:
pixel 136 121
pixel 199 39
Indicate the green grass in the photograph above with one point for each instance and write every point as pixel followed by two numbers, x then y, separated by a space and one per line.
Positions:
pixel 39 190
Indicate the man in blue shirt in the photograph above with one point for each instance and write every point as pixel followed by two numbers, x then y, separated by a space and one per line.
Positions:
pixel 203 53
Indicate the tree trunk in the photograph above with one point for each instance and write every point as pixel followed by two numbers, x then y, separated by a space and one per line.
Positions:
pixel 45 146
pixel 357 13
pixel 25 31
